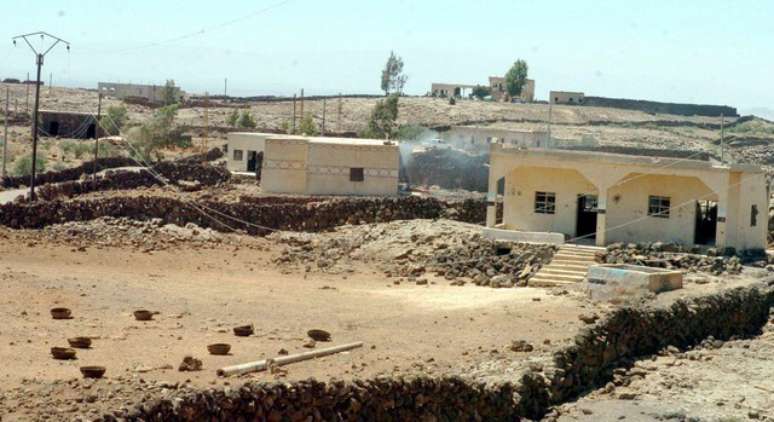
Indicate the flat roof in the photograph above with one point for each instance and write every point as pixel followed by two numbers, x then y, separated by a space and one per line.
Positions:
pixel 644 160
pixel 500 129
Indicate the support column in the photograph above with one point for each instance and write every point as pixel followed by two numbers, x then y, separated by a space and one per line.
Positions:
pixel 491 207
pixel 601 236
pixel 720 231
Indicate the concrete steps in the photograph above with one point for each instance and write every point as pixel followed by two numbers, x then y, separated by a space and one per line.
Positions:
pixel 568 266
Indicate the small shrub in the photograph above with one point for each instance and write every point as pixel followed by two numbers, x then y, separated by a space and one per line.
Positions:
pixel 23 165
pixel 308 126
pixel 232 118
pixel 246 120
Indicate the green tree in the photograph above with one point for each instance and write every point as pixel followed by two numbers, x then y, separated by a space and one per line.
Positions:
pixel 481 92
pixel 23 165
pixel 246 120
pixel 232 118
pixel 382 124
pixel 308 126
pixel 170 92
pixel 159 132
pixel 516 78
pixel 114 119
pixel 393 78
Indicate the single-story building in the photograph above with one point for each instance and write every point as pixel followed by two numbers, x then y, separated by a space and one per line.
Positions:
pixel 451 90
pixel 566 97
pixel 627 198
pixel 243 150
pixel 477 138
pixel 68 124
pixel 330 166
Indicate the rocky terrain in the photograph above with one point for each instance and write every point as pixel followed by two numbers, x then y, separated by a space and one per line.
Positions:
pixel 670 256
pixel 407 250
pixel 715 381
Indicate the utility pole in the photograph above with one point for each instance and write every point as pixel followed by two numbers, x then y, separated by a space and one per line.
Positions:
pixel 206 119
pixel 96 137
pixel 323 122
pixel 550 117
pixel 338 115
pixel 50 82
pixel 39 61
pixel 27 104
pixel 5 138
pixel 722 139
pixel 294 114
pixel 225 90
pixel 302 103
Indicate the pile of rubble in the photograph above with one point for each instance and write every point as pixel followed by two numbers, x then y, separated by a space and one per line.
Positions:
pixel 410 249
pixel 670 256
pixel 123 232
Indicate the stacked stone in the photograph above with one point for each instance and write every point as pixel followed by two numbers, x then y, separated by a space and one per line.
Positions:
pixel 490 263
pixel 256 220
pixel 74 173
pixel 670 256
pixel 384 399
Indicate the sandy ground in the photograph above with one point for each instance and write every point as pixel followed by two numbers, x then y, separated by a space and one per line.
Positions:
pixel 201 294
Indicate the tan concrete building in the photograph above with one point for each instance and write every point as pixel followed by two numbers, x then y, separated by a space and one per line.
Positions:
pixel 477 138
pixel 623 198
pixel 566 97
pixel 245 148
pixel 500 93
pixel 152 93
pixel 330 166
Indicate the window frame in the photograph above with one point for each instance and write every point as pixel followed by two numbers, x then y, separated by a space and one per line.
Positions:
pixel 354 176
pixel 240 153
pixel 545 203
pixel 659 210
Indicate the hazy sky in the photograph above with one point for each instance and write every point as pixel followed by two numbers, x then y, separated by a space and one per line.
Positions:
pixel 707 51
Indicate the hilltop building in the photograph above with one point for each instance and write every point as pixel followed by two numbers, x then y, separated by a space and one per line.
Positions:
pixel 150 93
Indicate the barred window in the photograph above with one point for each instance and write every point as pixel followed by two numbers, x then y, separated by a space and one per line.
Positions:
pixel 545 202
pixel 658 206
pixel 237 155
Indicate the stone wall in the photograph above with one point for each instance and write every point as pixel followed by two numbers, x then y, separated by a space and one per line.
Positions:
pixel 272 214
pixel 613 342
pixel 88 168
pixel 662 108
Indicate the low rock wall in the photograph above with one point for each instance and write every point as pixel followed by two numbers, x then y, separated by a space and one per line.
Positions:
pixel 613 342
pixel 243 215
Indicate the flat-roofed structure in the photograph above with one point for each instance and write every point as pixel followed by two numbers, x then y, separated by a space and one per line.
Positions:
pixel 626 198
pixel 500 93
pixel 330 166
pixel 566 97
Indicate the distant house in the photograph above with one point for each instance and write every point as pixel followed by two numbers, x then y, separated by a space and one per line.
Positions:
pixel 68 124
pixel 566 97
pixel 476 139
pixel 150 93
pixel 500 93
pixel 451 90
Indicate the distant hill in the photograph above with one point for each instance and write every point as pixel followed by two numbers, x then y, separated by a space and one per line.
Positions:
pixel 765 112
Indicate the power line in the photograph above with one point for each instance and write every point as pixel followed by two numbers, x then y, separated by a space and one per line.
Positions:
pixel 194 34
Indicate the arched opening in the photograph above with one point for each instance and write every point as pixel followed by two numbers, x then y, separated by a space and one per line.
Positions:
pixel 53 128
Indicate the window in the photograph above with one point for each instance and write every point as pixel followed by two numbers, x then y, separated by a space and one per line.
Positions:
pixel 658 206
pixel 753 216
pixel 356 174
pixel 237 155
pixel 545 203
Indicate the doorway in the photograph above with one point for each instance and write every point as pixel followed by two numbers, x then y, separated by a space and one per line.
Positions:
pixel 251 160
pixel 586 226
pixel 499 201
pixel 91 132
pixel 53 128
pixel 706 222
